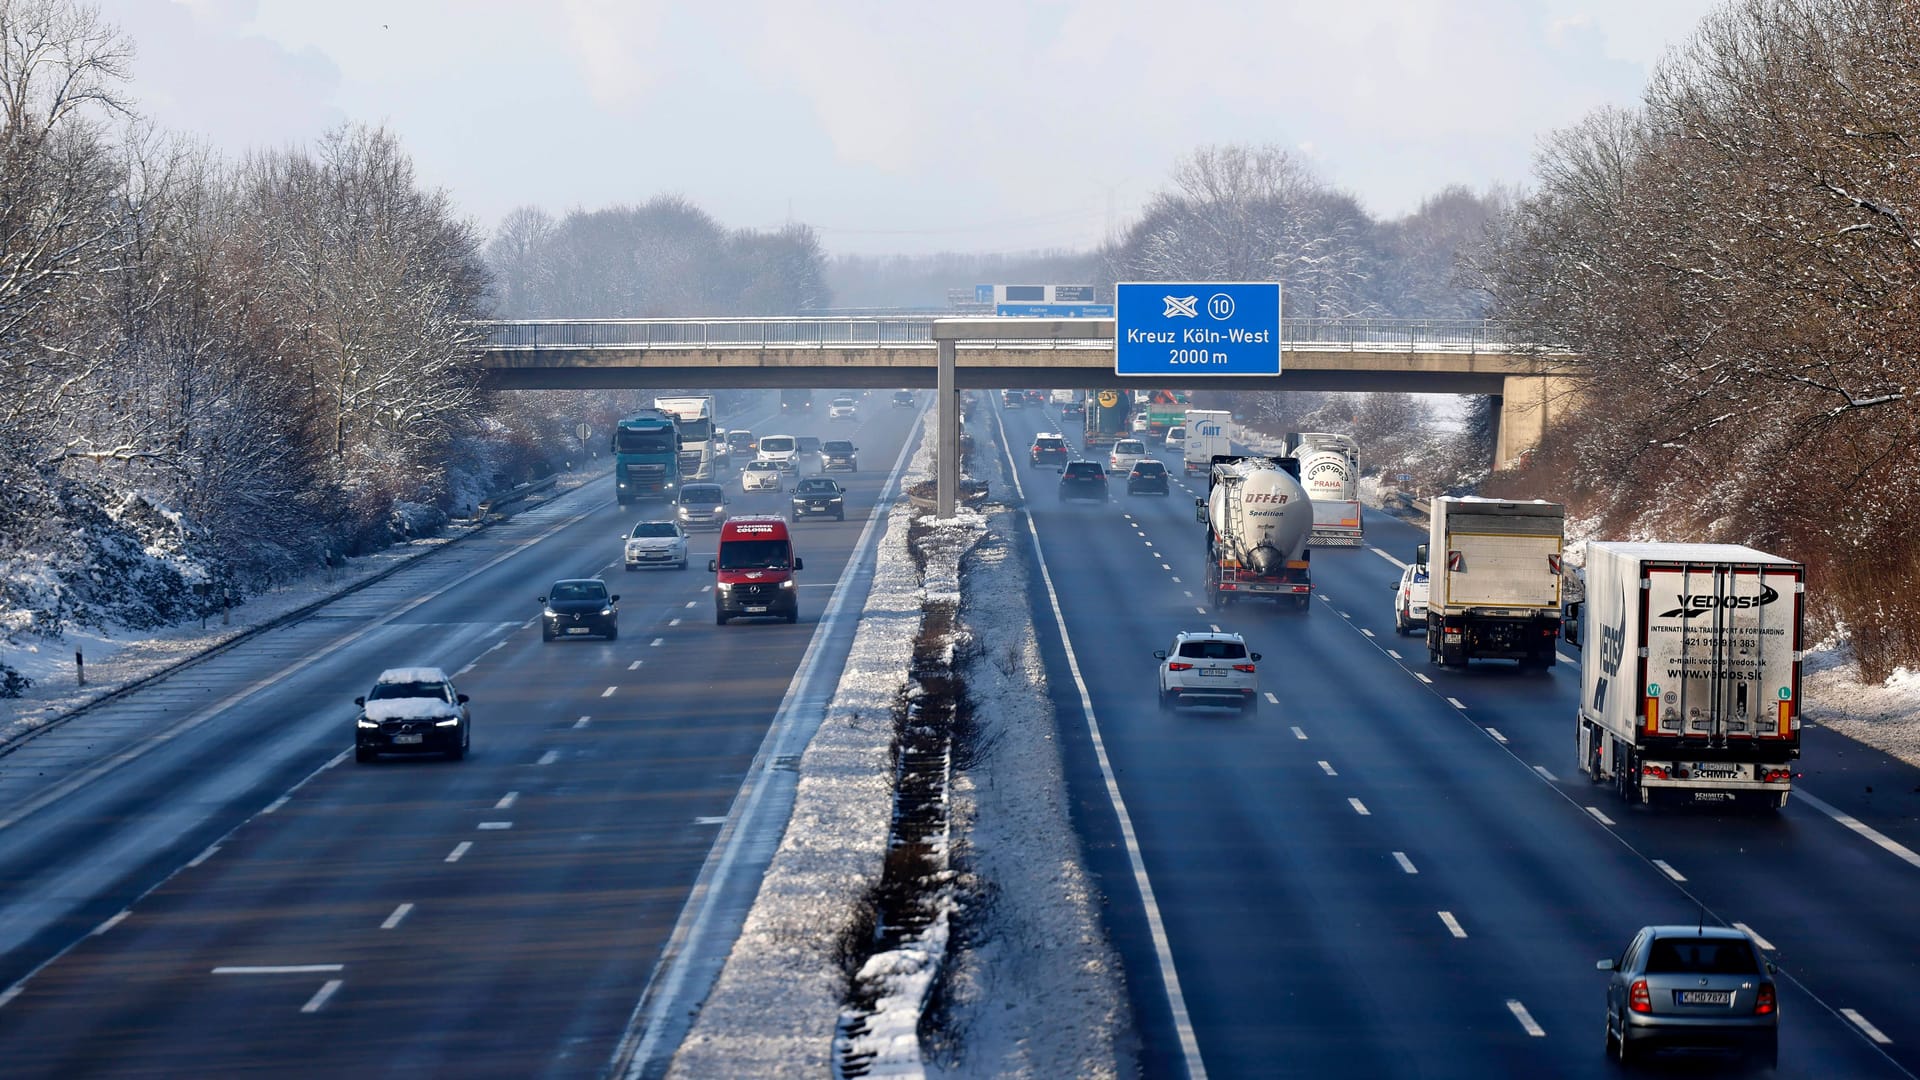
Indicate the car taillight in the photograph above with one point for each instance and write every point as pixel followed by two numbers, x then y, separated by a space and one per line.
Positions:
pixel 1179 667
pixel 1658 772
pixel 1764 1004
pixel 1638 999
pixel 1243 667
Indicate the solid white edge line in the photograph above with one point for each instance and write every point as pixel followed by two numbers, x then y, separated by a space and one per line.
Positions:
pixel 645 1023
pixel 1755 935
pixel 1668 870
pixel 1605 820
pixel 399 913
pixel 319 999
pixel 1866 1027
pixel 278 969
pixel 1526 1019
pixel 203 856
pixel 1406 864
pixel 109 924
pixel 1170 979
pixel 275 804
pixel 1879 839
pixel 1453 924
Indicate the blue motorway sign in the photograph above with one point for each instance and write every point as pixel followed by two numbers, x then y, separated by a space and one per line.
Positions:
pixel 1057 311
pixel 1197 328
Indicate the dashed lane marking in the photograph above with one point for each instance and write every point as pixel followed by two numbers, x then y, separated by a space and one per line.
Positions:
pixel 1453 924
pixel 657 642
pixel 549 757
pixel 501 644
pixel 608 692
pixel 1546 774
pixel 1271 700
pixel 495 826
pixel 1387 557
pixel 673 622
pixel 1201 610
pixel 1393 654
pixel 1327 767
pixel 1344 615
pixel 319 1000
pixel 1866 1028
pixel 1406 864
pixel 635 666
pixel 1366 631
pixel 582 722
pixel 1603 819
pixel 1521 1014
pixel 1497 737
pixel 720 820
pixel 463 671
pixel 1669 871
pixel 109 924
pixel 1359 807
pixel 1164 566
pixel 1215 627
pixel 1456 703
pixel 1755 935
pixel 690 604
pixel 1298 734
pixel 394 919
pixel 506 801
pixel 459 850
pixel 204 856
pixel 1423 678
pixel 1176 581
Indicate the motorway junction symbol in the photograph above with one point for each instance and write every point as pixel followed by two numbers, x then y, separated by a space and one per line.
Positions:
pixel 1196 328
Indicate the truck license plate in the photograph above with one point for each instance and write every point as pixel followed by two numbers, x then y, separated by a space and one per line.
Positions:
pixel 1705 997
pixel 407 740
pixel 1452 638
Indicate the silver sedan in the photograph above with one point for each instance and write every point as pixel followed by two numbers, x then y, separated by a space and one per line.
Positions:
pixel 1691 988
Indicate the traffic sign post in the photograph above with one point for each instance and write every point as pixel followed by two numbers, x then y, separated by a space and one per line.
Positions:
pixel 1196 328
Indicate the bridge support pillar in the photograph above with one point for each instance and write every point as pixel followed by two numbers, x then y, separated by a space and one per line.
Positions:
pixel 946 447
pixel 1528 406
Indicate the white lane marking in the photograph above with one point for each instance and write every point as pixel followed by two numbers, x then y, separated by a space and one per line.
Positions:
pixel 1359 807
pixel 1344 615
pixel 1669 871
pixel 1565 659
pixel 635 666
pixel 501 644
pixel 1298 734
pixel 275 804
pixel 721 820
pixel 706 588
pixel 1406 864
pixel 1497 737
pixel 673 622
pixel 1215 627
pixel 608 692
pixel 278 969
pixel 1546 774
pixel 1867 1028
pixel 1600 817
pixel 1521 1014
pixel 1149 543
pixel 1456 703
pixel 582 722
pixel 459 850
pixel 109 924
pixel 1366 631
pixel 1176 581
pixel 331 762
pixel 1388 557
pixel 203 856
pixel 529 623
pixel 1453 924
pixel 657 642
pixel 1164 566
pixel 495 826
pixel 690 604
pixel 1327 767
pixel 1271 700
pixel 1755 935
pixel 1393 654
pixel 1201 610
pixel 399 913
pixel 1884 842
pixel 1423 678
pixel 506 801
pixel 319 1000
pixel 549 757
pixel 463 670
pixel 1156 927
pixel 12 992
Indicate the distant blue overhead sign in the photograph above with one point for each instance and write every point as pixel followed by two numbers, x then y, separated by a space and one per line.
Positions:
pixel 1057 311
pixel 1197 328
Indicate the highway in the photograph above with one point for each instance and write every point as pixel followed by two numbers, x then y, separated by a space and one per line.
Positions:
pixel 1394 870
pixel 201 881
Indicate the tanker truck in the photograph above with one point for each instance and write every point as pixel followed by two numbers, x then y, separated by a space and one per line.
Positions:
pixel 1258 520
pixel 1330 471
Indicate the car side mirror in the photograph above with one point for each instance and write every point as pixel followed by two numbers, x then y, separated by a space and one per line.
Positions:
pixel 1420 555
pixel 1062 472
pixel 461 698
pixel 1606 965
pixel 1255 657
pixel 1770 968
pixel 614 599
pixel 543 600
pixel 713 565
pixel 359 701
pixel 799 563
pixel 1159 654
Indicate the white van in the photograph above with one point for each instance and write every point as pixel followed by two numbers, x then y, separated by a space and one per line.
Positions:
pixel 780 451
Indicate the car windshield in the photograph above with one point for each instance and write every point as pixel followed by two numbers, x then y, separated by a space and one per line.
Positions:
pixel 777 443
pixel 1213 650
pixel 1049 444
pixel 843 402
pixel 653 528
pixel 1083 468
pixel 392 691
pixel 574 591
pixel 816 487
pixel 755 555
pixel 739 440
pixel 1701 956
pixel 838 446
pixel 700 495
pixel 760 466
pixel 1129 446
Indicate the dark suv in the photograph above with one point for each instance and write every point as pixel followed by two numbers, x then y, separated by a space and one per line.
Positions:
pixel 903 399
pixel 412 710
pixel 1050 449
pixel 819 496
pixel 1149 476
pixel 1083 480
pixel 579 607
pixel 839 454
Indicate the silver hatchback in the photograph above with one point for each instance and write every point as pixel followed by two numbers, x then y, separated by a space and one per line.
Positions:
pixel 1208 668
pixel 1691 988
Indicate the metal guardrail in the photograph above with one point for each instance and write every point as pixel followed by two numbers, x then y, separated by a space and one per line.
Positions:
pixel 1355 335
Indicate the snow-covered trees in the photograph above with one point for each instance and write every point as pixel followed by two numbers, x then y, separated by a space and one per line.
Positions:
pixel 1739 262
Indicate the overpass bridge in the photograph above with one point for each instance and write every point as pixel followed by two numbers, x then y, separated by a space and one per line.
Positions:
pixel 1421 356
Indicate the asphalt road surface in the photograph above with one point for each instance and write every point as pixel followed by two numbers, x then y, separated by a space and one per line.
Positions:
pixel 200 881
pixel 1395 870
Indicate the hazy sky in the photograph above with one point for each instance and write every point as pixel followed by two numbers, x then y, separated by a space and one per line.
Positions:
pixel 900 126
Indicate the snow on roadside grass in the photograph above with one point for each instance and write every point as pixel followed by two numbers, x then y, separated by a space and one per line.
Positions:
pixel 1886 718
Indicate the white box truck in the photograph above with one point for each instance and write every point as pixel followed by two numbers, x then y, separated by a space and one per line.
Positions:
pixel 1206 436
pixel 1494 580
pixel 1690 688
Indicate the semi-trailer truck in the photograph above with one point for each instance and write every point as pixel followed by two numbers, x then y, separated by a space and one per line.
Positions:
pixel 1494 580
pixel 694 416
pixel 1258 518
pixel 646 457
pixel 1107 419
pixel 1330 471
pixel 1690 685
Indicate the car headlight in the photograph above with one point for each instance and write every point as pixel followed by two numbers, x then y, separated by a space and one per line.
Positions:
pixel 724 587
pixel 451 721
pixel 550 613
pixel 606 611
pixel 366 723
pixel 683 512
pixel 787 584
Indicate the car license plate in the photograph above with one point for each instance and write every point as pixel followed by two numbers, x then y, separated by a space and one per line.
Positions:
pixel 408 740
pixel 1705 997
pixel 1216 673
pixel 756 610
pixel 578 629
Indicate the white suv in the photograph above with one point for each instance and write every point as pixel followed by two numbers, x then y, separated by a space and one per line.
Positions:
pixel 843 408
pixel 1125 452
pixel 783 451
pixel 1205 668
pixel 1410 600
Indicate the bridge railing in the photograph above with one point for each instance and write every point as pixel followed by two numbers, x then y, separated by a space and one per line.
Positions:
pixel 1356 335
